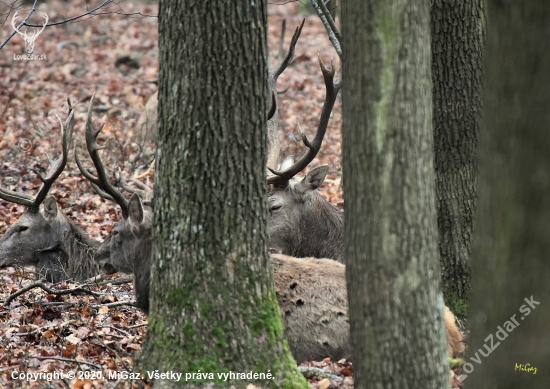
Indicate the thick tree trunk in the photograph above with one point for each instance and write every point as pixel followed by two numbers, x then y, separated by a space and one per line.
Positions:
pixel 396 306
pixel 510 266
pixel 457 76
pixel 213 306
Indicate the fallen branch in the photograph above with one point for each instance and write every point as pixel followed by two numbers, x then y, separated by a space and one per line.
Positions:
pixel 318 374
pixel 115 304
pixel 138 325
pixel 71 361
pixel 48 290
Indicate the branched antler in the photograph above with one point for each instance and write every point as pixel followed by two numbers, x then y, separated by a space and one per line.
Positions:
pixel 146 193
pixel 274 75
pixel 101 183
pixel 281 178
pixel 56 168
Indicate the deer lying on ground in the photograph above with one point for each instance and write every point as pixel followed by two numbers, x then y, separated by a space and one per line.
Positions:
pixel 311 292
pixel 47 239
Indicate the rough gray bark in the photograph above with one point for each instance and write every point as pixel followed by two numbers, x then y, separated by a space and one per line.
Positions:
pixel 457 76
pixel 213 307
pixel 510 260
pixel 392 269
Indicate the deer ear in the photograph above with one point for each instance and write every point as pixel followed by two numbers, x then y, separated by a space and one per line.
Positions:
pixel 135 210
pixel 313 179
pixel 50 209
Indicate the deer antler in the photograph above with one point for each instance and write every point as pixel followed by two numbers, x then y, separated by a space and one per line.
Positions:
pixel 289 55
pixel 100 183
pixel 282 177
pixel 56 167
pixel 146 193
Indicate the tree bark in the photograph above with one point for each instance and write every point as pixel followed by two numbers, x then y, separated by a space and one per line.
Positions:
pixel 213 306
pixel 513 225
pixel 393 273
pixel 457 76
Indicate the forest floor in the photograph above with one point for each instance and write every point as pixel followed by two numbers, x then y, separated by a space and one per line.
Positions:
pixel 117 57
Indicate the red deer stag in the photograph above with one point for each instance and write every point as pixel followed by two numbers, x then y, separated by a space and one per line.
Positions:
pixel 301 222
pixel 311 292
pixel 47 239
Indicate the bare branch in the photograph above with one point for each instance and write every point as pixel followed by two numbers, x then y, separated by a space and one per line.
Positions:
pixel 70 361
pixel 334 34
pixel 91 13
pixel 41 285
pixel 20 25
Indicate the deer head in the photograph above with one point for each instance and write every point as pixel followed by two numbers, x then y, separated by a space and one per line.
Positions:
pixel 29 39
pixel 32 239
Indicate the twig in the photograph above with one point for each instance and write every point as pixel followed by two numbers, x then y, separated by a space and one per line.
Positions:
pixel 115 304
pixel 48 290
pixel 70 361
pixel 118 281
pixel 90 13
pixel 117 329
pixel 138 325
pixel 328 22
pixel 20 25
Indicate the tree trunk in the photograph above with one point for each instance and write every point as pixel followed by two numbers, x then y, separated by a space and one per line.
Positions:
pixel 457 76
pixel 457 54
pixel 213 306
pixel 513 225
pixel 393 273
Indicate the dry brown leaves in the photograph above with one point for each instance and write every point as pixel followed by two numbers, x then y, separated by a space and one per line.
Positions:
pixel 45 333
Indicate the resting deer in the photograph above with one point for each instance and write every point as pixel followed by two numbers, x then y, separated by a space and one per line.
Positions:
pixel 301 222
pixel 311 292
pixel 47 239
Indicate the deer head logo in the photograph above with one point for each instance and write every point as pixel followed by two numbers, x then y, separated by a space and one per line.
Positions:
pixel 29 39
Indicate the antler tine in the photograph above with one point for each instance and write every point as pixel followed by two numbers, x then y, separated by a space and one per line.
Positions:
pixel 56 168
pixel 102 185
pixel 332 89
pixel 290 53
pixel 146 195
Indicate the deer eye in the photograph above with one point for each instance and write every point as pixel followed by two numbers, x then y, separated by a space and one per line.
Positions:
pixel 275 207
pixel 22 228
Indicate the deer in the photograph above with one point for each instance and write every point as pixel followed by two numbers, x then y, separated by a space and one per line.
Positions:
pixel 302 223
pixel 47 239
pixel 311 292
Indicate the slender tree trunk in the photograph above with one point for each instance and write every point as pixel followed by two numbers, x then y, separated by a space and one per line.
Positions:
pixel 510 315
pixel 396 306
pixel 457 76
pixel 213 306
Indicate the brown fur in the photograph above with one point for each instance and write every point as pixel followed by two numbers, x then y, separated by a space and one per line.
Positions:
pixel 312 297
pixel 455 344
